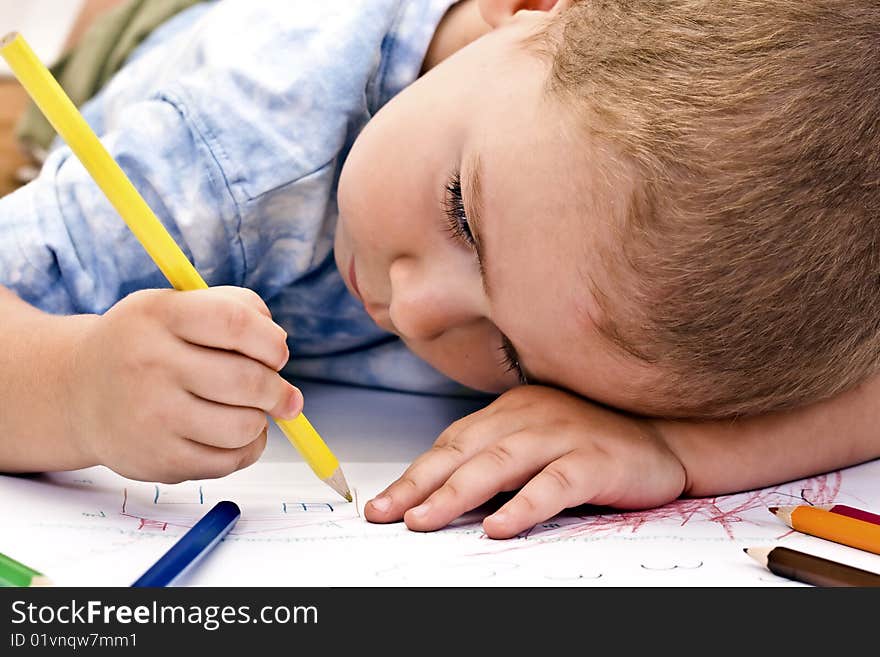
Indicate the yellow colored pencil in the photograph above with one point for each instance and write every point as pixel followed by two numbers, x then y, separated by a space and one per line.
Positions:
pixel 68 122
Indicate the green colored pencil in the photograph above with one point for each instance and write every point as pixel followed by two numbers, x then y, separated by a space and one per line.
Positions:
pixel 14 573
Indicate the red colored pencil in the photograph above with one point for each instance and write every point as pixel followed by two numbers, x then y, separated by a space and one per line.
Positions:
pixel 852 512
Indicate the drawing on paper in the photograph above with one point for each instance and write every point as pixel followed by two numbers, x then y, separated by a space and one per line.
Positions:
pixel 158 507
pixel 294 530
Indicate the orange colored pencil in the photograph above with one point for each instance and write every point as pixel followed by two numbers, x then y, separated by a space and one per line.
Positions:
pixel 836 527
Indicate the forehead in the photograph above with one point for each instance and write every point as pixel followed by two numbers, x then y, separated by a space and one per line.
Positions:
pixel 553 206
pixel 550 207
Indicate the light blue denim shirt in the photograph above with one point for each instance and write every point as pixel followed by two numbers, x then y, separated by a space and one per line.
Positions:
pixel 233 120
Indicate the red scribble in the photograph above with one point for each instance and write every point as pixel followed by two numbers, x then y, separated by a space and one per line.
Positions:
pixel 143 523
pixel 725 510
pixel 151 524
pixel 728 511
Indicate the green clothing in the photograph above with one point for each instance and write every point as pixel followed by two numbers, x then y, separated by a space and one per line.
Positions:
pixel 102 51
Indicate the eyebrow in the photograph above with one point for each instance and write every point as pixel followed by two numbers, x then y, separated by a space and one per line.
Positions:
pixel 472 198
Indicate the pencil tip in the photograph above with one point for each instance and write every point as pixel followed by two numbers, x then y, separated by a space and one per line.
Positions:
pixel 759 554
pixel 337 482
pixel 773 509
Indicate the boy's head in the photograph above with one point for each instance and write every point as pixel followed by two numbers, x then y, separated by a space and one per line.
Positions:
pixel 675 202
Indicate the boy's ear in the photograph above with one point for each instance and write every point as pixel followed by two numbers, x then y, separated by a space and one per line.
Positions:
pixel 494 12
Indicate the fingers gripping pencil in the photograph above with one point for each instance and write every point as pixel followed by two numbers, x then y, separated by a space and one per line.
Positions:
pixel 60 111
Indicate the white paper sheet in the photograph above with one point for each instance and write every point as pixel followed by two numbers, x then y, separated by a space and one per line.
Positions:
pixel 92 527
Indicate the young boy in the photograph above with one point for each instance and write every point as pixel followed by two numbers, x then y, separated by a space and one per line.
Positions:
pixel 646 211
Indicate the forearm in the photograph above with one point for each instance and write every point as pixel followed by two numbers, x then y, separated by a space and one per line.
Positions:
pixel 35 424
pixel 725 457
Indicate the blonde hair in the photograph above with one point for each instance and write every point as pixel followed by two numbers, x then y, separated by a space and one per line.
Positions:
pixel 749 264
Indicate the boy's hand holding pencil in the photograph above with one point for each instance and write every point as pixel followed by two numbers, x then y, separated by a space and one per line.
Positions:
pixel 179 384
pixel 225 450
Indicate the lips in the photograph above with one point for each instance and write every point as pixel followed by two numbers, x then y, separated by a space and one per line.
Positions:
pixel 352 277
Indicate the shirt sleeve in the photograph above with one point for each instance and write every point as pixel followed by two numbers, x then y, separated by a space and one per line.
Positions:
pixel 232 139
pixel 64 248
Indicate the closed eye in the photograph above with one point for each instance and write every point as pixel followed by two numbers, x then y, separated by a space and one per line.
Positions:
pixel 459 228
pixel 510 360
pixel 456 216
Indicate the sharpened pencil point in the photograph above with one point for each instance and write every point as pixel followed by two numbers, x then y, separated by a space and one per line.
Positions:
pixel 337 482
pixel 759 554
pixel 773 509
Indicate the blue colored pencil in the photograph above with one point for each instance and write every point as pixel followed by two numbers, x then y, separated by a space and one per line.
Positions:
pixel 192 546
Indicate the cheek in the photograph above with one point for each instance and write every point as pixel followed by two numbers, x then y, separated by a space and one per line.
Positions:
pixel 354 179
pixel 377 188
pixel 468 359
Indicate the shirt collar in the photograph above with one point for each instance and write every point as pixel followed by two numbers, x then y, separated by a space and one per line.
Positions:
pixel 405 46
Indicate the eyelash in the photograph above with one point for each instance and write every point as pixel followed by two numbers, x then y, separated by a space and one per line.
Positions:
pixel 509 360
pixel 457 225
pixel 453 206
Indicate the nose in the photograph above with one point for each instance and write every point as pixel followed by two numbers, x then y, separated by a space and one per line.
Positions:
pixel 428 299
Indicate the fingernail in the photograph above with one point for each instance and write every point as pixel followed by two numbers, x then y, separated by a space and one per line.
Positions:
pixel 498 516
pixel 381 503
pixel 292 408
pixel 421 510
